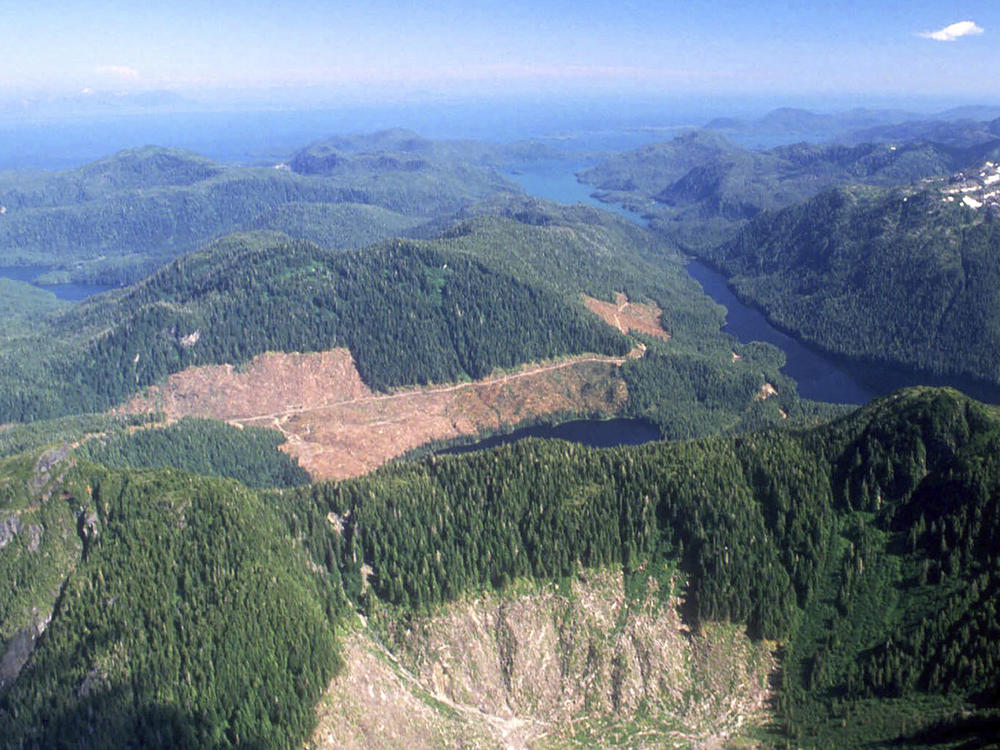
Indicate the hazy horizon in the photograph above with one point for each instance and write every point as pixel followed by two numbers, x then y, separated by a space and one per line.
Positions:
pixel 379 49
pixel 82 80
pixel 62 133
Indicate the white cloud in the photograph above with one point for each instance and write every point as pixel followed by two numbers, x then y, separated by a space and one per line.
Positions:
pixel 954 31
pixel 119 71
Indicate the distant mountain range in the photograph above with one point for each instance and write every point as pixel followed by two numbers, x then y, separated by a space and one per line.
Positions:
pixel 801 124
pixel 699 188
pixel 118 218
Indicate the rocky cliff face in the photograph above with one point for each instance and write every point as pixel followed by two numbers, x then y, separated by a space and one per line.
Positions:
pixel 43 534
pixel 584 662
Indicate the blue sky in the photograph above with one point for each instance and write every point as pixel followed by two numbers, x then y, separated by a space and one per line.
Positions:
pixel 511 46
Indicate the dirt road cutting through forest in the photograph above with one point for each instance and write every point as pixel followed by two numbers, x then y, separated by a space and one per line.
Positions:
pixel 337 427
pixel 437 390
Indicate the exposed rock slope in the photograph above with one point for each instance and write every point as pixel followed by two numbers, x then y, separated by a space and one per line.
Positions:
pixel 551 667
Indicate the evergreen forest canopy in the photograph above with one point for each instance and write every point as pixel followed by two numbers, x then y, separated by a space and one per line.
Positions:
pixel 900 276
pixel 411 312
pixel 183 584
pixel 867 546
pixel 249 294
pixel 116 219
pixel 864 247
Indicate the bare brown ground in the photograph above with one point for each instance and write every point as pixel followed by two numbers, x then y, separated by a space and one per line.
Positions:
pixel 766 391
pixel 547 668
pixel 269 383
pixel 338 428
pixel 628 316
pixel 376 703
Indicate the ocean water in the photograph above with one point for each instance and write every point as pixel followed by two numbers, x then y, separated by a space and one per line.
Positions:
pixel 263 130
pixel 263 135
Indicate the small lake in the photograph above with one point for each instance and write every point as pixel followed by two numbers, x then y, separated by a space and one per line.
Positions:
pixel 597 433
pixel 72 292
pixel 820 376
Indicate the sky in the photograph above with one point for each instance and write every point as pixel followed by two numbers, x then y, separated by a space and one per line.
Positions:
pixel 918 47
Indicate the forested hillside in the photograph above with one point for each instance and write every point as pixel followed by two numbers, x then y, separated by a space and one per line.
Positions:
pixel 181 615
pixel 410 313
pixel 181 583
pixel 867 548
pixel 699 189
pixel 202 446
pixel 23 307
pixel 500 286
pixel 119 218
pixel 690 386
pixel 904 276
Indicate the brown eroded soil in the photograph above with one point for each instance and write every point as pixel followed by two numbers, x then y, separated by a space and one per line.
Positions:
pixel 338 428
pixel 766 391
pixel 628 316
pixel 269 383
pixel 582 666
pixel 377 703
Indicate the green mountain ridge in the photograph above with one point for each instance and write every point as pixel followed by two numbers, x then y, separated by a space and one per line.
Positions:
pixel 411 312
pixel 901 276
pixel 181 616
pixel 452 316
pixel 699 189
pixel 184 584
pixel 119 218
pixel 867 547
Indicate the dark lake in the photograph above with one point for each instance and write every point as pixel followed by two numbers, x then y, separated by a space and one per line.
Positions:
pixel 71 292
pixel 821 376
pixel 597 433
